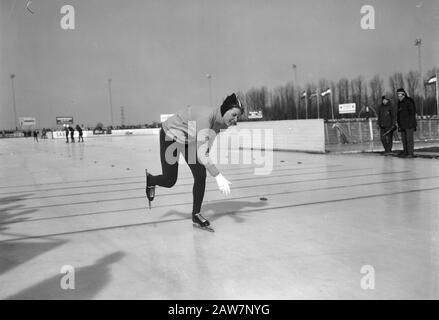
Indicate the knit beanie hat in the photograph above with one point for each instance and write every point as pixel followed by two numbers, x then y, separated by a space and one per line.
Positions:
pixel 230 102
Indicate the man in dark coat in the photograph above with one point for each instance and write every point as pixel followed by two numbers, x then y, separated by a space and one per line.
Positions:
pixel 36 135
pixel 72 133
pixel 406 122
pixel 66 130
pixel 79 129
pixel 387 124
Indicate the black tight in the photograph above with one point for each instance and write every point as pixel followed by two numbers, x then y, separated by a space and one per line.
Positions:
pixel 170 169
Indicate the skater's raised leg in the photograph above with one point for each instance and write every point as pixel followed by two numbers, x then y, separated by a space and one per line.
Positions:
pixel 150 189
pixel 169 175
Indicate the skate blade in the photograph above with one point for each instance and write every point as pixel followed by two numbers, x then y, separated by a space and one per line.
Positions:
pixel 146 189
pixel 210 229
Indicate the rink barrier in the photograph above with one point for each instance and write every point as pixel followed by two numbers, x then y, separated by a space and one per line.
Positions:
pixel 114 133
pixel 290 135
pixel 287 135
pixel 353 131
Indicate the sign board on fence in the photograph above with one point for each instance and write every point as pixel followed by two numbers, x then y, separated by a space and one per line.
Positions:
pixel 26 122
pixel 164 117
pixel 346 108
pixel 255 114
pixel 64 120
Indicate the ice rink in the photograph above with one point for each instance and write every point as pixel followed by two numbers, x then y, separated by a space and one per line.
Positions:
pixel 332 226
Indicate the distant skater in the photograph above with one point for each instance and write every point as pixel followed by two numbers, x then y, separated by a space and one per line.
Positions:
pixel 191 132
pixel 79 129
pixel 66 131
pixel 36 135
pixel 72 133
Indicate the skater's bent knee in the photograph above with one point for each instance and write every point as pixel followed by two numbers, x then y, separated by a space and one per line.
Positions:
pixel 170 183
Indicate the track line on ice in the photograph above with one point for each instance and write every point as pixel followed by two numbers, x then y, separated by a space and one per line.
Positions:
pixel 214 189
pixel 228 199
pixel 179 185
pixel 219 213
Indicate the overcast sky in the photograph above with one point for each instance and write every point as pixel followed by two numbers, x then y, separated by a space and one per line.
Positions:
pixel 158 52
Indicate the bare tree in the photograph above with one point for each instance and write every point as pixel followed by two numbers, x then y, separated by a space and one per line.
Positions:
pixel 431 89
pixel 256 98
pixel 412 80
pixel 357 92
pixel 396 81
pixel 325 108
pixel 332 98
pixel 359 82
pixel 312 105
pixel 276 103
pixel 430 105
pixel 377 90
pixel 300 103
pixel 365 96
pixel 241 97
pixel 343 90
pixel 290 101
pixel 310 88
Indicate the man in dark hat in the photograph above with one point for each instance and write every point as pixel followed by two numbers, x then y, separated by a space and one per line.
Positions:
pixel 387 124
pixel 191 132
pixel 406 118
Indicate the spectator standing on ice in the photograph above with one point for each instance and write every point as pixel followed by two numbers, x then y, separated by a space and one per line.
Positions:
pixel 406 122
pixel 387 124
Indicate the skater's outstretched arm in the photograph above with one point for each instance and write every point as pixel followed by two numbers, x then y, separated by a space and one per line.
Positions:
pixel 205 140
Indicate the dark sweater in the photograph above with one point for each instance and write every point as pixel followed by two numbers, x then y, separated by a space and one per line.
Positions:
pixel 407 114
pixel 386 116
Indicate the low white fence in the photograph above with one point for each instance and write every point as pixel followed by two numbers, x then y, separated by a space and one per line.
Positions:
pixel 287 135
pixel 117 133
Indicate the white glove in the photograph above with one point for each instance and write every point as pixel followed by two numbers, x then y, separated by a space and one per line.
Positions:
pixel 223 184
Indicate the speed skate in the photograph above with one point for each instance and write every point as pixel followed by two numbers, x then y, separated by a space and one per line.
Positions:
pixel 202 223
pixel 206 228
